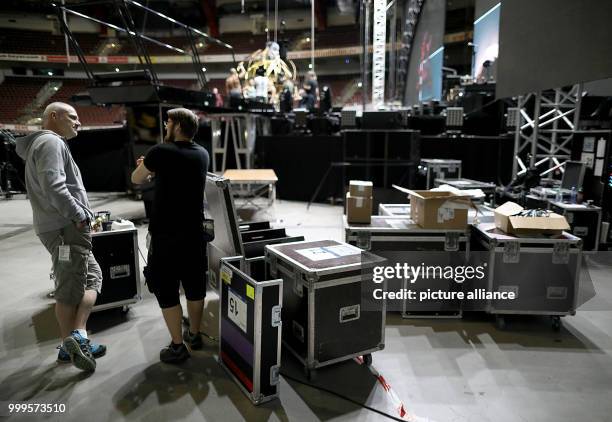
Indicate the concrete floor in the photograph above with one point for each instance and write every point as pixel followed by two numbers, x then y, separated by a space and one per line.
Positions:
pixel 442 370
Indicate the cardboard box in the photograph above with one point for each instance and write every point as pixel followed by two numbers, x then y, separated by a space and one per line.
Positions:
pixel 358 209
pixel 438 209
pixel 360 188
pixel 507 221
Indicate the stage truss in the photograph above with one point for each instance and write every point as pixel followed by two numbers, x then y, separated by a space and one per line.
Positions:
pixel 546 135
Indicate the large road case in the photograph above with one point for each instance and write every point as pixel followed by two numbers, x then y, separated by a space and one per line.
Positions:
pixel 584 220
pixel 325 317
pixel 435 168
pixel 250 329
pixel 231 237
pixel 462 184
pixel 219 205
pixel 117 253
pixel 400 210
pixel 543 272
pixel 400 240
pixel 483 213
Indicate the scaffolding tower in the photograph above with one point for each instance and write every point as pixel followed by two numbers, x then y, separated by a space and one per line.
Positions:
pixel 545 135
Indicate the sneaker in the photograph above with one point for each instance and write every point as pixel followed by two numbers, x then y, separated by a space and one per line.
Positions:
pixel 174 355
pixel 79 350
pixel 194 341
pixel 97 351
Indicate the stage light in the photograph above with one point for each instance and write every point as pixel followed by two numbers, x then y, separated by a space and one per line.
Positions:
pixel 50 73
pixel 112 44
pixel 116 69
pixel 201 45
pixel 309 65
pixel 307 39
pixel 203 69
pixel 359 84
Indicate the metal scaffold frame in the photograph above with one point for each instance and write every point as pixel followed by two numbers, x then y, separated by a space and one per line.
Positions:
pixel 547 134
pixel 411 14
pixel 378 52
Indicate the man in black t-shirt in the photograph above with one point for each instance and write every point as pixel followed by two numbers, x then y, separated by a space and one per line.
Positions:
pixel 177 251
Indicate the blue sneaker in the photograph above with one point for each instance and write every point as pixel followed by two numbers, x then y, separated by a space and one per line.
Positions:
pixel 79 350
pixel 97 351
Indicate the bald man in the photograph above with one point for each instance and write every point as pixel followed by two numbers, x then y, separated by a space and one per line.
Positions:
pixel 61 214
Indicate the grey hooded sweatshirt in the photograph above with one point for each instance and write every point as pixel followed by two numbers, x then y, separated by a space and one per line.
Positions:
pixel 53 182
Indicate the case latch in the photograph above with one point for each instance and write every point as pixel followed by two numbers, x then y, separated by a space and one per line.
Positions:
pixel 363 240
pixel 276 316
pixel 512 252
pixel 274 374
pixel 298 284
pixel 272 260
pixel 451 241
pixel 560 253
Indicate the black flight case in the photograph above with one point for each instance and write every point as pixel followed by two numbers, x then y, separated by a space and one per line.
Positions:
pixel 117 253
pixel 250 329
pixel 328 312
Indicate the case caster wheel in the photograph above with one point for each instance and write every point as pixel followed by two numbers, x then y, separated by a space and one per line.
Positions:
pixel 310 373
pixel 556 323
pixel 500 322
pixel 125 309
pixel 367 359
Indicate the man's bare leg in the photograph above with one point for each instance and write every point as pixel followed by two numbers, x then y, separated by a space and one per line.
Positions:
pixel 65 315
pixel 174 318
pixel 195 308
pixel 84 309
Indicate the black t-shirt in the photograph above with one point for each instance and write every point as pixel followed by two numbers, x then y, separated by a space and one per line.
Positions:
pixel 311 86
pixel 180 174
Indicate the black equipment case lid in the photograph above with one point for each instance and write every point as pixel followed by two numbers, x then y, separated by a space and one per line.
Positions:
pixel 323 256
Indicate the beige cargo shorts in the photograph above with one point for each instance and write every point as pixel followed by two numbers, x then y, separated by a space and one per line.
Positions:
pixel 81 272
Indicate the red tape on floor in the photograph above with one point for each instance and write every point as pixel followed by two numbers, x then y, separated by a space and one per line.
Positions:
pixel 397 403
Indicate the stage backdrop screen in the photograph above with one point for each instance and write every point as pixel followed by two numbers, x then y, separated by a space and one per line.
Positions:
pixel 430 86
pixel 425 67
pixel 486 42
pixel 553 43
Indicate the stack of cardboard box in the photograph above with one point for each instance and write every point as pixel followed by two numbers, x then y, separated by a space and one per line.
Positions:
pixel 359 202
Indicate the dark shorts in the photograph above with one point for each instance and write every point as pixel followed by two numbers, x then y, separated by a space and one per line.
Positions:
pixel 81 272
pixel 175 260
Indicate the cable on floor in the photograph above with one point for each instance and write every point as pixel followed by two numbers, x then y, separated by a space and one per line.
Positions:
pixel 316 387
pixel 343 397
pixel 142 256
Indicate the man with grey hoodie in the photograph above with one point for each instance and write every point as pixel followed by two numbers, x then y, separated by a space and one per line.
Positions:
pixel 61 214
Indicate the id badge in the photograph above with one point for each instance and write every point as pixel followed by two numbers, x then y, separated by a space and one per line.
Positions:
pixel 64 253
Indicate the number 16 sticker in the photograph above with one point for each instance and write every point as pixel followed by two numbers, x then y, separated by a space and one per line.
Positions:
pixel 237 310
